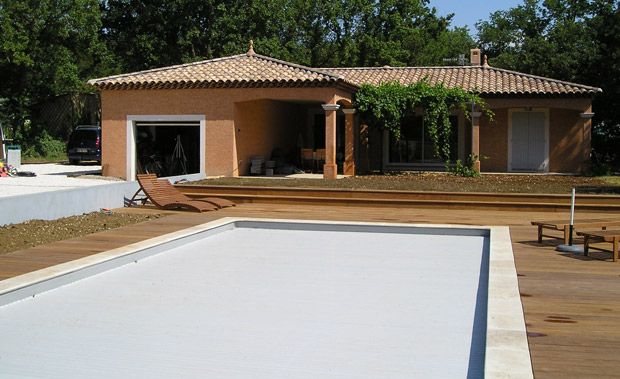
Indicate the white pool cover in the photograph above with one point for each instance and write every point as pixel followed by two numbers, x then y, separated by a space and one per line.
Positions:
pixel 275 302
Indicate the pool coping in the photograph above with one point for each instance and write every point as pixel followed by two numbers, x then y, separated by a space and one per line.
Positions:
pixel 507 351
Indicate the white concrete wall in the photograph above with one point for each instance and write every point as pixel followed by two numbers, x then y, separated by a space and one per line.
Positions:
pixel 64 203
pixel 52 205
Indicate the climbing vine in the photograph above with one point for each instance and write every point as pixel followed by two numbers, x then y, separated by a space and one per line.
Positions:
pixel 384 107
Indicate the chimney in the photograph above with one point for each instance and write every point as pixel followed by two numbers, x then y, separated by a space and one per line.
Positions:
pixel 474 57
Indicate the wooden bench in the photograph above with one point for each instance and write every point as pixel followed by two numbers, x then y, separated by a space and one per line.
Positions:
pixel 564 226
pixel 612 236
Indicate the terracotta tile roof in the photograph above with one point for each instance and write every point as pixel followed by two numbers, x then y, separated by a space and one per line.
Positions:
pixel 485 79
pixel 253 70
pixel 244 70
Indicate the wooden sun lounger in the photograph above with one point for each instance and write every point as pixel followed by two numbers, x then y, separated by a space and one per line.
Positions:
pixel 174 193
pixel 564 226
pixel 162 198
pixel 612 236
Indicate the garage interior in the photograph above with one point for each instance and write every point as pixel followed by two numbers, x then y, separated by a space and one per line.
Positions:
pixel 168 148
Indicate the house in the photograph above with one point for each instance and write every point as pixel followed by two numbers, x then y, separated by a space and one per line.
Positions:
pixel 215 115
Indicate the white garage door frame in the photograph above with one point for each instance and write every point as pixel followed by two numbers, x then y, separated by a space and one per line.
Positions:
pixel 510 136
pixel 131 137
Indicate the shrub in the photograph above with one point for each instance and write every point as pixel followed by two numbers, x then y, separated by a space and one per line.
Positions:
pixel 600 165
pixel 43 146
pixel 49 147
pixel 467 169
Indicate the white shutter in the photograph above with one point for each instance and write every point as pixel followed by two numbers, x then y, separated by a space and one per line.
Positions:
pixel 537 141
pixel 520 141
pixel 528 145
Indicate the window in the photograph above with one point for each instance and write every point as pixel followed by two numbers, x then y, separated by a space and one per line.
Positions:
pixel 415 144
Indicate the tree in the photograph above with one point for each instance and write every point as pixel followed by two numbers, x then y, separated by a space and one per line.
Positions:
pixel 51 47
pixel 572 40
pixel 604 72
pixel 154 33
pixel 48 48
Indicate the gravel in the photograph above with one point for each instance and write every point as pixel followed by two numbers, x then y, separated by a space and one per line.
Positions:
pixel 52 177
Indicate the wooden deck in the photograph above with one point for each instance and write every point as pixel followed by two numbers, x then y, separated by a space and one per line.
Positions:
pixel 515 202
pixel 571 303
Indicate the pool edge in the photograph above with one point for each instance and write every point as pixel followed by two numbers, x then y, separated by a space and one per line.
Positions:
pixel 507 352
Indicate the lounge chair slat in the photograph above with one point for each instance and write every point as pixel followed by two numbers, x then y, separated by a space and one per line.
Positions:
pixel 164 198
pixel 173 192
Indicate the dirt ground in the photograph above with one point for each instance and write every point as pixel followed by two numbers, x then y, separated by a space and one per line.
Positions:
pixel 555 184
pixel 32 233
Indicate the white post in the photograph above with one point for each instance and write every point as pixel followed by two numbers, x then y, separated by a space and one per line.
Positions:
pixel 570 248
pixel 572 209
pixel 572 218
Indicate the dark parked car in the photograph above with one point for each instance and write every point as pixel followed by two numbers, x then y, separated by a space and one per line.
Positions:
pixel 84 144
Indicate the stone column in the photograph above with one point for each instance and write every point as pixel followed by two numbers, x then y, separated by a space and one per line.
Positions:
pixel 330 170
pixel 586 120
pixel 349 143
pixel 475 137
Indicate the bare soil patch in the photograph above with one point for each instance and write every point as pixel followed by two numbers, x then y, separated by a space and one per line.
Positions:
pixel 441 182
pixel 33 233
pixel 37 232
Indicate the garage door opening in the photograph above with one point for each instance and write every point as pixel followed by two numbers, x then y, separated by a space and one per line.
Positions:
pixel 167 148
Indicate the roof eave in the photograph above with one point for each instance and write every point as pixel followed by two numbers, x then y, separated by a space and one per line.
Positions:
pixel 588 94
pixel 102 86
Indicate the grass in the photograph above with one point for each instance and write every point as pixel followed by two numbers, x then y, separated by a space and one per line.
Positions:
pixel 38 160
pixel 611 180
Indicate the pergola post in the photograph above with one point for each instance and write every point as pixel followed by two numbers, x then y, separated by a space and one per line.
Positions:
pixel 330 169
pixel 349 142
pixel 475 137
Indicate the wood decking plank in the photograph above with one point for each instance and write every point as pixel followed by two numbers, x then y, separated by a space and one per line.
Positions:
pixel 571 302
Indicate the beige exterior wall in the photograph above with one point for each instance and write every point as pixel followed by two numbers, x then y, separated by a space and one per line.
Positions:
pixel 494 142
pixel 217 106
pixel 241 123
pixel 569 143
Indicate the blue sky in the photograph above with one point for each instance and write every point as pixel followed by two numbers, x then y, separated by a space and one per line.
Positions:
pixel 467 13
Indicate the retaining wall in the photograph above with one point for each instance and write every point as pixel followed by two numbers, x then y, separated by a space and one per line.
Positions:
pixel 52 205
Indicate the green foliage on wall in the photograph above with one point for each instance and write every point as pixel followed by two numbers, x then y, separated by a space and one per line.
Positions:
pixel 384 107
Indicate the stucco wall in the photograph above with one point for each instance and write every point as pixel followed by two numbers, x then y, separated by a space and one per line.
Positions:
pixel 494 141
pixel 265 122
pixel 216 105
pixel 568 143
pixel 565 141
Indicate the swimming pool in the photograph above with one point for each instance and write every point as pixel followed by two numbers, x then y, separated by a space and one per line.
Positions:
pixel 265 298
